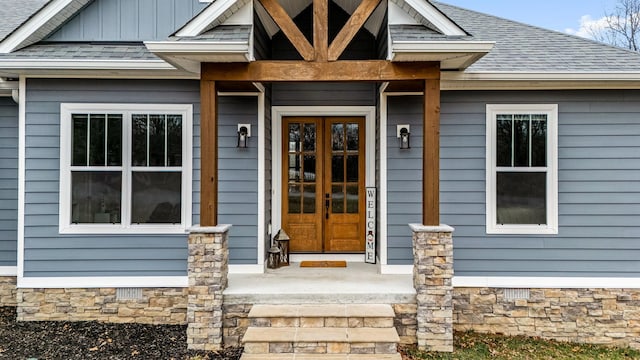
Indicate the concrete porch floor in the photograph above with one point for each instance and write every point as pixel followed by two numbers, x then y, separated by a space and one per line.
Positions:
pixel 358 283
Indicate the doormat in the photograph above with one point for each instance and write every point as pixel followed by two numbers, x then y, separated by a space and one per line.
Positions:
pixel 336 264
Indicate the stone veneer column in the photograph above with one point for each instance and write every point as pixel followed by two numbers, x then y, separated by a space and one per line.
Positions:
pixel 208 270
pixel 432 279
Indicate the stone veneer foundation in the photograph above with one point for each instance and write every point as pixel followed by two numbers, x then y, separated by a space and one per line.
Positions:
pixel 432 279
pixel 596 316
pixel 157 306
pixel 8 292
pixel 208 269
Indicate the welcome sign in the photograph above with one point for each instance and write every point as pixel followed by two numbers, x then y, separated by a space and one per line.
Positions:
pixel 370 242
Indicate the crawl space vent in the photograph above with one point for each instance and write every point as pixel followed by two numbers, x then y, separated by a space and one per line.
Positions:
pixel 129 293
pixel 516 294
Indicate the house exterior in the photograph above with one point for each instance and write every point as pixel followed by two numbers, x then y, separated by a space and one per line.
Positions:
pixel 128 193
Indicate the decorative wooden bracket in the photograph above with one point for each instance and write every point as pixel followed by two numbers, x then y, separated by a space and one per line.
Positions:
pixel 289 28
pixel 320 51
pixel 351 28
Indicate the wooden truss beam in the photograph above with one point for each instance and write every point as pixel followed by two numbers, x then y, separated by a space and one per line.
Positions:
pixel 321 29
pixel 351 28
pixel 347 70
pixel 289 28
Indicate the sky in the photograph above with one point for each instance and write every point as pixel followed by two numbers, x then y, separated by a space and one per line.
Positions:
pixel 568 16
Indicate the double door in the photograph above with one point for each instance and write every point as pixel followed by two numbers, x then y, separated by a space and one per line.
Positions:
pixel 323 184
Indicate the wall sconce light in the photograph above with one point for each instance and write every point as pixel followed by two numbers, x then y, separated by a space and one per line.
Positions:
pixel 404 134
pixel 244 133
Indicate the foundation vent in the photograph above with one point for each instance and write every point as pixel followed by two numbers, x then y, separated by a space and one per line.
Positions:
pixel 129 293
pixel 516 294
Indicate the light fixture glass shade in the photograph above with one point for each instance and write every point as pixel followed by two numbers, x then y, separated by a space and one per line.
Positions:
pixel 405 139
pixel 242 137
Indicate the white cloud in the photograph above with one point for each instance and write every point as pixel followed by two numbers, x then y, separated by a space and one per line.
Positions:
pixel 588 26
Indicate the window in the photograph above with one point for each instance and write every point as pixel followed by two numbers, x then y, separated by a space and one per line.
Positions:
pixel 125 168
pixel 522 190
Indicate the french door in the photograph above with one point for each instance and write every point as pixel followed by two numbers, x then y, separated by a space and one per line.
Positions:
pixel 323 183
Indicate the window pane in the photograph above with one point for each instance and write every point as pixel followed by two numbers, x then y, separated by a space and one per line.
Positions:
pixel 539 140
pixel 79 139
pixel 504 138
pixel 337 168
pixel 309 137
pixel 96 197
pixel 97 140
pixel 156 197
pixel 174 140
pixel 521 140
pixel 139 140
pixel 337 137
pixel 294 137
pixel 352 137
pixel 114 140
pixel 352 168
pixel 294 198
pixel 309 199
pixel 337 199
pixel 352 199
pixel 156 140
pixel 521 198
pixel 294 167
pixel 309 168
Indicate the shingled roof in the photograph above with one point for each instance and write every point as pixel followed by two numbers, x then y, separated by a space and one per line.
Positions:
pixel 15 13
pixel 525 48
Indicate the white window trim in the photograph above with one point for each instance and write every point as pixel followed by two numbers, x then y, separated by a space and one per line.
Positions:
pixel 65 225
pixel 551 110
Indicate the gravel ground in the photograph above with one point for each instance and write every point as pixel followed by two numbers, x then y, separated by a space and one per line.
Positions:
pixel 93 340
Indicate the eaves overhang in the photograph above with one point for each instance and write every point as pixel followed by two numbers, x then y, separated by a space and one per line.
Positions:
pixel 452 55
pixel 188 55
pixel 90 67
pixel 541 80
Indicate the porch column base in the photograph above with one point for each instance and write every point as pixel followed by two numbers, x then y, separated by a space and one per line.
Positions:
pixel 208 268
pixel 432 279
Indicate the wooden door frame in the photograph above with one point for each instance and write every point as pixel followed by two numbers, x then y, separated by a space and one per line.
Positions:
pixel 278 112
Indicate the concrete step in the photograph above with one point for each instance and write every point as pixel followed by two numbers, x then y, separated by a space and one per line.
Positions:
pixel 321 357
pixel 263 340
pixel 327 315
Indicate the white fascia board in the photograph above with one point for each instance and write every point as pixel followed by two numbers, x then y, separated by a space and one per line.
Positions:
pixel 200 23
pixel 546 282
pixel 201 47
pixel 542 76
pixel 104 282
pixel 13 41
pixel 83 64
pixel 434 16
pixel 8 270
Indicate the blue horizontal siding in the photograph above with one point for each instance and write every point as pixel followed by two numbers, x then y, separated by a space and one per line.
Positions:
pixel 8 181
pixel 128 20
pixel 599 186
pixel 47 253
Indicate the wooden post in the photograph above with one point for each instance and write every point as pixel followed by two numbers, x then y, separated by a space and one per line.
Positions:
pixel 431 154
pixel 209 153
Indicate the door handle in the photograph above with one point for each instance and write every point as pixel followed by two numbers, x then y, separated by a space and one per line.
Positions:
pixel 327 202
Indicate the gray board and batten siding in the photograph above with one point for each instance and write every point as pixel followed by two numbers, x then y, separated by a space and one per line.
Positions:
pixel 8 181
pixel 48 253
pixel 128 20
pixel 599 186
